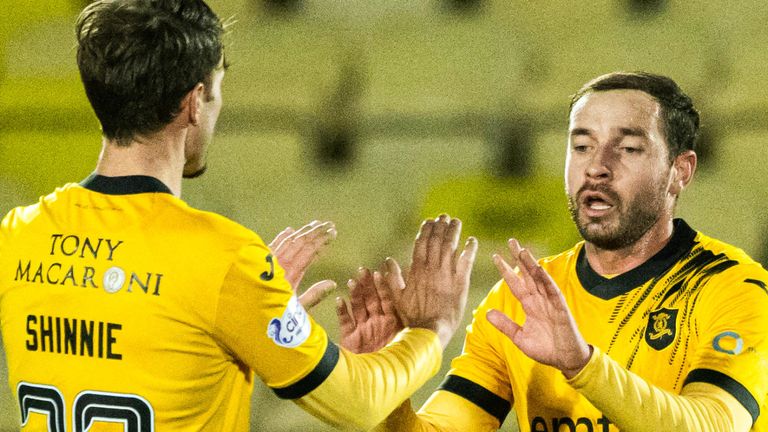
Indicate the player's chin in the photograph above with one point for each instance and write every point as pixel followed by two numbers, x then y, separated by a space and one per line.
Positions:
pixel 195 172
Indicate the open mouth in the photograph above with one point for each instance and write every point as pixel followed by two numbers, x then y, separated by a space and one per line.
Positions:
pixel 596 203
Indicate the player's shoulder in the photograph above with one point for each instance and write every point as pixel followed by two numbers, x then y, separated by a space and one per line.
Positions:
pixel 210 227
pixel 19 216
pixel 736 267
pixel 24 215
pixel 562 261
pixel 736 256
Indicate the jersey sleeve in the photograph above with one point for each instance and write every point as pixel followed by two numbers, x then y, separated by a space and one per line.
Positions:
pixel 634 404
pixel 372 385
pixel 479 374
pixel 261 323
pixel 732 320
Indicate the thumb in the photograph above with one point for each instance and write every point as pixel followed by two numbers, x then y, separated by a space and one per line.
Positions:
pixel 316 293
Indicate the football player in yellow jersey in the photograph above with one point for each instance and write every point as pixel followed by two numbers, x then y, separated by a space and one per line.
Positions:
pixel 646 325
pixel 122 308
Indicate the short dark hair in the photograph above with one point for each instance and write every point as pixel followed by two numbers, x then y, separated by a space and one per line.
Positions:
pixel 139 58
pixel 681 120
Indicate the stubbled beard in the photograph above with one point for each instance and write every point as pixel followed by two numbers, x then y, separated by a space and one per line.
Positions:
pixel 635 217
pixel 196 174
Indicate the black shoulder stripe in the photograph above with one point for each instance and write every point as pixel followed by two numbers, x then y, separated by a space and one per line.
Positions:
pixel 313 379
pixel 759 283
pixel 478 395
pixel 728 384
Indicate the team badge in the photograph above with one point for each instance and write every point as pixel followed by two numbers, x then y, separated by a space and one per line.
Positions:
pixel 291 329
pixel 661 329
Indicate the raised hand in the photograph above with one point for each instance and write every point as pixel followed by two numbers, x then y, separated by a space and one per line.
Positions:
pixel 434 293
pixel 549 334
pixel 373 321
pixel 295 250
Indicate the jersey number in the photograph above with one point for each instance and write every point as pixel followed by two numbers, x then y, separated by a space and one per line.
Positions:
pixel 134 412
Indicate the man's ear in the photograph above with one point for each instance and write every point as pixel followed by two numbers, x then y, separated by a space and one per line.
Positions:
pixel 192 102
pixel 684 166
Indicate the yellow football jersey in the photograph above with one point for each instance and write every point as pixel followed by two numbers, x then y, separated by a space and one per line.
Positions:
pixel 122 308
pixel 695 312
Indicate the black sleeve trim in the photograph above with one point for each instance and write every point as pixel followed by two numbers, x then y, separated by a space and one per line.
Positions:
pixel 318 375
pixel 759 283
pixel 478 395
pixel 728 384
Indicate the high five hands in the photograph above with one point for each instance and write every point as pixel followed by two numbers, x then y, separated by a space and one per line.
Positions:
pixel 433 294
pixel 549 334
pixel 382 303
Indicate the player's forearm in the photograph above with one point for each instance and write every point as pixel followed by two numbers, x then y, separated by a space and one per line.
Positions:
pixel 363 389
pixel 634 404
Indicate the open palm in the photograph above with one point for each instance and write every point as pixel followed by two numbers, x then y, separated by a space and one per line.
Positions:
pixel 549 334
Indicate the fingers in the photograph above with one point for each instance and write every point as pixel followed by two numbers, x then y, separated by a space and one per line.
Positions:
pixel 365 288
pixel 514 282
pixel 313 237
pixel 308 227
pixel 393 274
pixel 357 301
pixel 282 235
pixel 543 280
pixel 525 279
pixel 466 261
pixel 420 245
pixel 316 293
pixel 436 241
pixel 290 234
pixel 383 291
pixel 514 249
pixel 450 243
pixel 346 322
pixel 502 322
pixel 529 270
pixel 391 282
pixel 299 249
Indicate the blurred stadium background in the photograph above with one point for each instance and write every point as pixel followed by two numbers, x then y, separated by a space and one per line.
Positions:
pixel 376 114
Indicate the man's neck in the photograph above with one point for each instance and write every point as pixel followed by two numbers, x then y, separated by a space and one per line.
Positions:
pixel 615 262
pixel 155 156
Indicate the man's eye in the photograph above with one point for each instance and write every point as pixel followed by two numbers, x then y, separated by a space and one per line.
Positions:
pixel 580 148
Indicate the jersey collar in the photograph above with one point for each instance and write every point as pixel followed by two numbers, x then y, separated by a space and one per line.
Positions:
pixel 681 243
pixel 124 185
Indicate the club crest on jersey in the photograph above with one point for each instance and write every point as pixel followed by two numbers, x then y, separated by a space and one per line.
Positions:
pixel 661 329
pixel 291 329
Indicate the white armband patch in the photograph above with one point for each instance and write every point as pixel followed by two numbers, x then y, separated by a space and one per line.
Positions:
pixel 291 329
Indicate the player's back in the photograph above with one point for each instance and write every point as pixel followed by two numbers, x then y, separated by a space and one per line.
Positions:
pixel 108 303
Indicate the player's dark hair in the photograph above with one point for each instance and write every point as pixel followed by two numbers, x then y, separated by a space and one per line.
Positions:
pixel 681 120
pixel 139 58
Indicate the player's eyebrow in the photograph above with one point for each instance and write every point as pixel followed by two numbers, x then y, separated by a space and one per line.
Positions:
pixel 633 131
pixel 623 131
pixel 580 131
